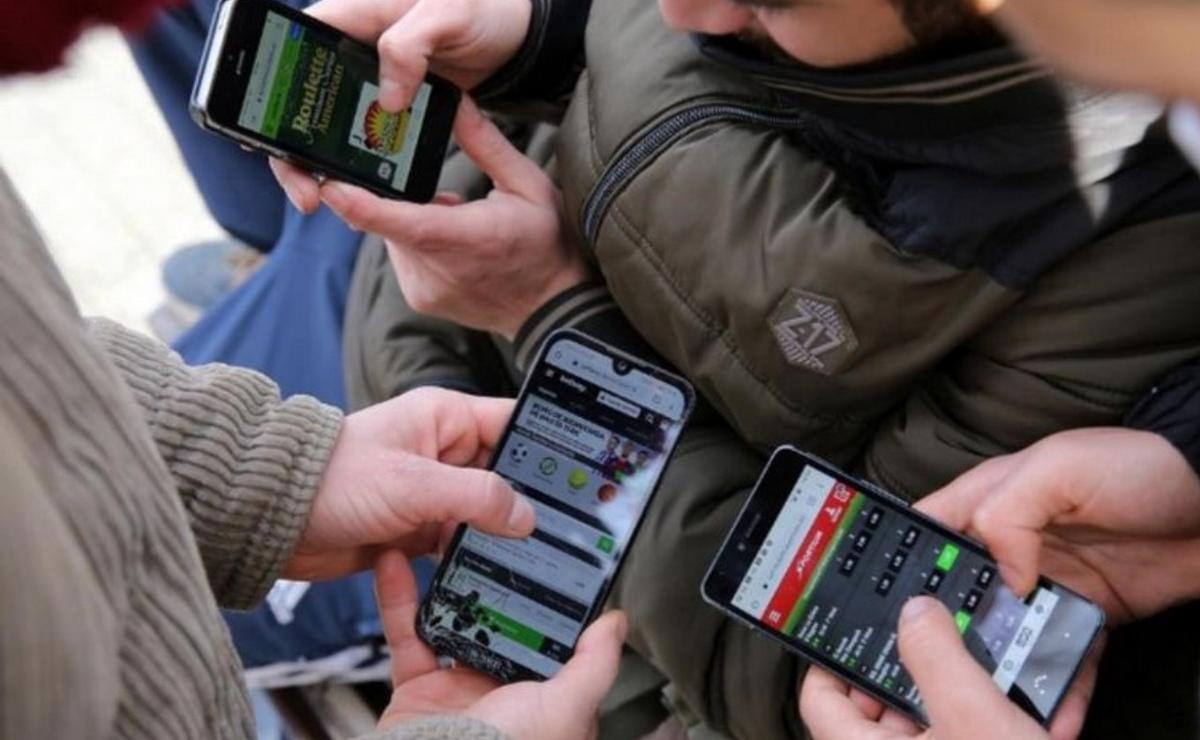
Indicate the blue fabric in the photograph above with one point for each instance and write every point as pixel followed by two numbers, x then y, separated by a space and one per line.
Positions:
pixel 331 616
pixel 286 320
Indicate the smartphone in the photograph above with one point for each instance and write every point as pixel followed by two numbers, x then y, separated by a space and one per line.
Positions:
pixel 822 563
pixel 590 436
pixel 279 81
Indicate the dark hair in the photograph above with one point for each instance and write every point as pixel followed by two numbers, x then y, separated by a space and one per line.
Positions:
pixel 946 22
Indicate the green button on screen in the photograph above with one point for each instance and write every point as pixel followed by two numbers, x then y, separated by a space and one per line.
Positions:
pixel 963 620
pixel 946 560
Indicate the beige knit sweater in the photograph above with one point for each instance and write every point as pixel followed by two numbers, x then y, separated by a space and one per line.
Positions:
pixel 133 490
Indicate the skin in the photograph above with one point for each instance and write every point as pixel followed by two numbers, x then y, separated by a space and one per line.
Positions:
pixel 1099 510
pixel 823 33
pixel 401 476
pixel 563 708
pixel 491 263
pixel 1127 44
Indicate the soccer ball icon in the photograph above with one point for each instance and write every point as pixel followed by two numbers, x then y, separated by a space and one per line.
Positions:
pixel 518 453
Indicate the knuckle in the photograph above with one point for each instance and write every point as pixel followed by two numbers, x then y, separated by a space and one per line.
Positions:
pixel 391 46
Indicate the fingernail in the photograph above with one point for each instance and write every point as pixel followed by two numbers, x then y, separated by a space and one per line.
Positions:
pixel 333 194
pixel 390 94
pixel 916 608
pixel 291 196
pixel 521 515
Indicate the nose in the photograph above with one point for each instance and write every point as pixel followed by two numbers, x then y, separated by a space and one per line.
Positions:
pixel 714 17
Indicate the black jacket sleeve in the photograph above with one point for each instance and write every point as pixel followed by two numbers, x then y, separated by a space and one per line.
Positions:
pixel 548 62
pixel 1172 409
pixel 589 308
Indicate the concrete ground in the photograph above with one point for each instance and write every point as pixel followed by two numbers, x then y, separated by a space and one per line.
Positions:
pixel 96 165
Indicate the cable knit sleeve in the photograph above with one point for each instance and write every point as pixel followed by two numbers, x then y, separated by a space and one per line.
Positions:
pixel 245 462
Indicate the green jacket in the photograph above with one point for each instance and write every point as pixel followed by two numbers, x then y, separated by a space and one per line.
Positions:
pixel 906 270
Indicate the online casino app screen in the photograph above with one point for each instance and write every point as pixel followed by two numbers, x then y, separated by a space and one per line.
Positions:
pixel 315 95
pixel 587 447
pixel 838 563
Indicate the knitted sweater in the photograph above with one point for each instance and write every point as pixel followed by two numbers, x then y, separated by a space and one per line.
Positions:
pixel 135 490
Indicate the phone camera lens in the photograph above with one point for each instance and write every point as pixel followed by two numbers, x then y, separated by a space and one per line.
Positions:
pixel 621 366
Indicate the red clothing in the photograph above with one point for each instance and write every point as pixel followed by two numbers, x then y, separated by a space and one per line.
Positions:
pixel 34 34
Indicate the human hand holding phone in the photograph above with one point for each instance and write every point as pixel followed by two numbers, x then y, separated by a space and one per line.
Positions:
pixel 463 41
pixel 1114 513
pixel 961 699
pixel 488 264
pixel 562 708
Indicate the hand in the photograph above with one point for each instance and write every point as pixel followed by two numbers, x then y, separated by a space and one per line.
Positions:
pixel 563 708
pixel 463 41
pixel 390 483
pixel 960 698
pixel 1113 43
pixel 1112 513
pixel 488 264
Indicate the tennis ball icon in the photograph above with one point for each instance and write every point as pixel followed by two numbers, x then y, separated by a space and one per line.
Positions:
pixel 577 479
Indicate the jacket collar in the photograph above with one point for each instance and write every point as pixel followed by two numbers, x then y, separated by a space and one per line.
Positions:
pixel 981 158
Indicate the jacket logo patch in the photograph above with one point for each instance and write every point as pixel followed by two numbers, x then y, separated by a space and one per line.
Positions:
pixel 813 331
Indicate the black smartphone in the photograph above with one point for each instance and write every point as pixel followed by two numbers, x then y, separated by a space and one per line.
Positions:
pixel 277 80
pixel 823 563
pixel 590 436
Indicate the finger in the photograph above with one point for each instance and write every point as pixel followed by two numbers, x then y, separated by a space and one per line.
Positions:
pixel 871 707
pixel 955 689
pixel 299 186
pixel 411 225
pixel 465 428
pixel 480 498
pixel 489 417
pixel 406 47
pixel 396 591
pixel 955 503
pixel 829 712
pixel 488 148
pixel 584 681
pixel 448 198
pixel 1006 507
pixel 1011 523
pixel 898 724
pixel 1068 721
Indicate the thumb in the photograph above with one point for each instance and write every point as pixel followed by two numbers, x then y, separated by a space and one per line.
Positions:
pixel 491 150
pixel 956 691
pixel 481 498
pixel 583 682
pixel 399 601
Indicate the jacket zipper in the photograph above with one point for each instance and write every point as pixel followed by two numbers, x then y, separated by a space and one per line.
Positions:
pixel 633 158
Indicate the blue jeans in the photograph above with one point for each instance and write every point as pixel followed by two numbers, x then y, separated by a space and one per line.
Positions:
pixel 285 321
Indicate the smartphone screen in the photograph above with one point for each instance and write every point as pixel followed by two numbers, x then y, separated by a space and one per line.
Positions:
pixel 824 563
pixel 313 92
pixel 590 436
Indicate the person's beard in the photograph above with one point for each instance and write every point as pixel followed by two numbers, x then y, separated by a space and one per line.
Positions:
pixel 940 22
pixel 939 28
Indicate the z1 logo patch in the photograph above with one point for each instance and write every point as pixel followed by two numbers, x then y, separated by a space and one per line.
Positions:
pixel 813 331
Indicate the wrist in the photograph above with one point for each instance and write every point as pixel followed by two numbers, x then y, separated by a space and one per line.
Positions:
pixel 574 275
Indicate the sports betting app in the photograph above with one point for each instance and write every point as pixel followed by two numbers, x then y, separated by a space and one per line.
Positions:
pixel 587 447
pixel 837 566
pixel 314 94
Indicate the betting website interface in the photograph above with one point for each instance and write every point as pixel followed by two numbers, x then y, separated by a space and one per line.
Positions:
pixel 587 447
pixel 311 92
pixel 837 566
